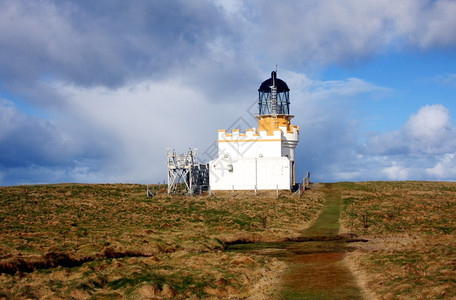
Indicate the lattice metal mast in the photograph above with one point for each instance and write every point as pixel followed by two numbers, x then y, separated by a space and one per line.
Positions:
pixel 179 167
pixel 184 169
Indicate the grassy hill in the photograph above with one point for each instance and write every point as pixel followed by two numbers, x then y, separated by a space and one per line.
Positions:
pixel 111 241
pixel 89 241
pixel 411 228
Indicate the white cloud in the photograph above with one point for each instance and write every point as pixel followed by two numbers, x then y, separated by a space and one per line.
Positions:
pixel 387 143
pixel 318 33
pixel 444 168
pixel 144 119
pixel 429 131
pixel 448 79
pixel 423 149
pixel 231 7
pixel 396 172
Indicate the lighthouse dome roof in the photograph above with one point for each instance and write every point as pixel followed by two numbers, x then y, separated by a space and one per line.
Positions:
pixel 280 84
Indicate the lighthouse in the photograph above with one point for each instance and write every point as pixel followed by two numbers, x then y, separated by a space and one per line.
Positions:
pixel 260 158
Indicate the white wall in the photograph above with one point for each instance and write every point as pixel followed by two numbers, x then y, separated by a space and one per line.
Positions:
pixel 253 158
pixel 265 173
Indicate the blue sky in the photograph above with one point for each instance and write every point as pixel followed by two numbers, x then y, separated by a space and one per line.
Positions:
pixel 415 79
pixel 96 91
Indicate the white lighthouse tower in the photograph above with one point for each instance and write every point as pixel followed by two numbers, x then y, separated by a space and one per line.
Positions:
pixel 260 158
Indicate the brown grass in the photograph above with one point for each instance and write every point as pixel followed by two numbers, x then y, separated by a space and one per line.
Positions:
pixel 411 253
pixel 111 241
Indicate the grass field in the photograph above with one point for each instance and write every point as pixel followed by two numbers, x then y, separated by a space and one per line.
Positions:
pixel 411 228
pixel 111 241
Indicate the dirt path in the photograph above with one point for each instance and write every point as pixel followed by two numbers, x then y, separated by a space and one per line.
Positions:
pixel 316 267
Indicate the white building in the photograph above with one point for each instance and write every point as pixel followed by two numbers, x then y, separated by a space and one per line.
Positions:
pixel 263 157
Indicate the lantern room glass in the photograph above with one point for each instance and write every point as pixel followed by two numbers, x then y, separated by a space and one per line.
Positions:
pixel 266 93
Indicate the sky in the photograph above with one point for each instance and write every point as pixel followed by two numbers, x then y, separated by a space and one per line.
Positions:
pixel 96 91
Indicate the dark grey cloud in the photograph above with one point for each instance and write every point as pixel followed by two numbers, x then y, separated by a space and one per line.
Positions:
pixel 207 43
pixel 102 43
pixel 32 143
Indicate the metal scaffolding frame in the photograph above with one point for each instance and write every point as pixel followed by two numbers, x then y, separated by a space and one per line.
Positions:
pixel 184 169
